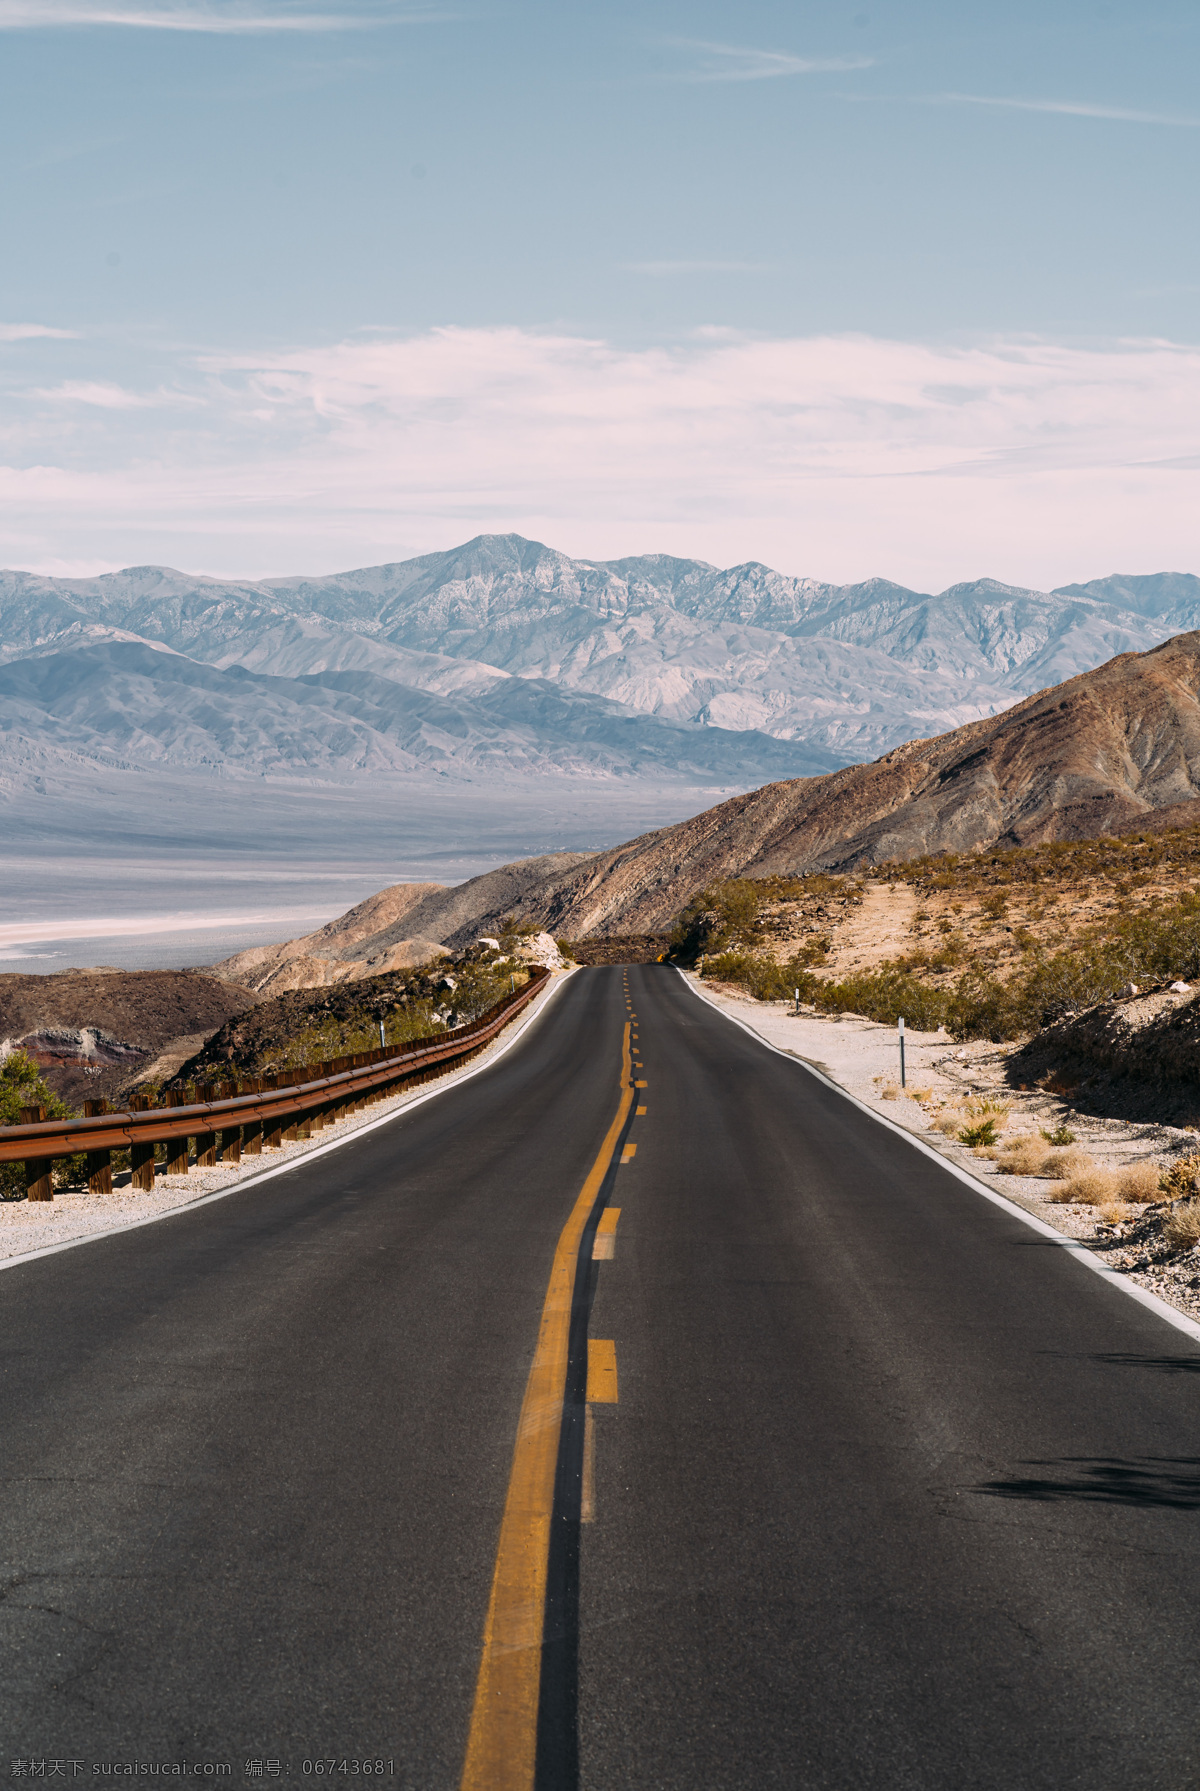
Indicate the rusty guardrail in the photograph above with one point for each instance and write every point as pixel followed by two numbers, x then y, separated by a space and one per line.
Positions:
pixel 250 1118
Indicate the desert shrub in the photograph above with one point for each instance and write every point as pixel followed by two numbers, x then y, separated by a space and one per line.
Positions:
pixel 513 930
pixel 920 1094
pixel 1112 1212
pixel 980 1132
pixel 1138 1183
pixel 761 976
pixel 949 1121
pixel 566 947
pixel 1061 1136
pixel 890 1091
pixel 883 995
pixel 1181 1226
pixel 1182 1177
pixel 721 915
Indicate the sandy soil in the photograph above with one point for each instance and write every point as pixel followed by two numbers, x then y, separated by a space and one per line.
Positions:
pixel 879 927
pixel 862 1056
pixel 74 1213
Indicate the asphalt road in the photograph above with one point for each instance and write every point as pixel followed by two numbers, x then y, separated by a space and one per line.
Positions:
pixel 895 1493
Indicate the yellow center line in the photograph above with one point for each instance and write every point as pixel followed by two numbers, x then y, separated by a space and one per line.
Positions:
pixel 502 1744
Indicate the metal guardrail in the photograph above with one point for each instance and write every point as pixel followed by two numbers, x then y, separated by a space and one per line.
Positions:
pixel 251 1117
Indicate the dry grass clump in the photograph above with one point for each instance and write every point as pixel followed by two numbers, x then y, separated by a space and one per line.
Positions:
pixel 1181 1227
pixel 1114 1212
pixel 1061 1165
pixel 920 1094
pixel 890 1091
pixel 1181 1178
pixel 1090 1187
pixel 1022 1155
pixel 1139 1184
pixel 950 1121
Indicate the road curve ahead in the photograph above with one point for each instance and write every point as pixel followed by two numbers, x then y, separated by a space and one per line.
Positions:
pixel 860 1482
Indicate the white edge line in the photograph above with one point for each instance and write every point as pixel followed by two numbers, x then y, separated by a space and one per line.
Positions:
pixel 454 1080
pixel 1077 1249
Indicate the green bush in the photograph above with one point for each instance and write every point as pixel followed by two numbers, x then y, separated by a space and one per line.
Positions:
pixel 21 1085
pixel 982 1133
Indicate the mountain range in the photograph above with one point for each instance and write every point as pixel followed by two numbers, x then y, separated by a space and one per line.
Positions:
pixel 503 656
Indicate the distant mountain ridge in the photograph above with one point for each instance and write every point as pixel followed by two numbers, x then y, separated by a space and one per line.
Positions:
pixel 842 672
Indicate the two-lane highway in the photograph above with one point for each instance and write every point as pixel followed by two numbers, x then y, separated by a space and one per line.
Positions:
pixel 880 1488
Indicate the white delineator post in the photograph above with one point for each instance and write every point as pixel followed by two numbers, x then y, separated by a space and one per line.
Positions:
pixel 902 1081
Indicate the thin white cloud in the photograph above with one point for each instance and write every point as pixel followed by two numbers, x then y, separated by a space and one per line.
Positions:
pixel 100 393
pixel 28 332
pixel 1069 108
pixel 26 15
pixel 733 62
pixel 841 457
pixel 658 269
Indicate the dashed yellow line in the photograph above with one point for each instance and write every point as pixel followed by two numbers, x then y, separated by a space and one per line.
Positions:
pixel 606 1235
pixel 602 1371
pixel 502 1743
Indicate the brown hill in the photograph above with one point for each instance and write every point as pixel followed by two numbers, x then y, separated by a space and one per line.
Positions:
pixel 332 954
pixel 92 1032
pixel 1091 756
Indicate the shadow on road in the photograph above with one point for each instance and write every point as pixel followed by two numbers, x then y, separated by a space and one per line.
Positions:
pixel 1169 1482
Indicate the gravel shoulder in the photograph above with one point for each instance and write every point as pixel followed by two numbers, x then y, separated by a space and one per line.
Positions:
pixel 74 1214
pixel 862 1056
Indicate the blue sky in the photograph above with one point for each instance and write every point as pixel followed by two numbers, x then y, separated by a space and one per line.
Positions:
pixel 207 200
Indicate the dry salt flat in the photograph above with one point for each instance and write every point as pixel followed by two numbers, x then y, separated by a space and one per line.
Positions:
pixel 863 1057
pixel 26 1228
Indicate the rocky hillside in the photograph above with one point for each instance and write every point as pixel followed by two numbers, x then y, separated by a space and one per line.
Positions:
pixel 1105 751
pixel 405 925
pixel 94 1032
pixel 1087 757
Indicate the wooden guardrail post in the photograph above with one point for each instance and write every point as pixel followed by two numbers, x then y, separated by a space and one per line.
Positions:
pixel 206 1142
pixel 37 1169
pixel 99 1162
pixel 252 1131
pixel 141 1156
pixel 231 1136
pixel 177 1148
pixel 272 1131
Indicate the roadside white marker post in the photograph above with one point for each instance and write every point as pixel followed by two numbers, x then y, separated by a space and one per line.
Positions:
pixel 382 1040
pixel 797 1001
pixel 903 1084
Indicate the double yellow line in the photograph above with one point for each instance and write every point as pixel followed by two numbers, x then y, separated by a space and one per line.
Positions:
pixel 502 1745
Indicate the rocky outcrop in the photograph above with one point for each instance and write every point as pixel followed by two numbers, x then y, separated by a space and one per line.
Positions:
pixel 1135 1057
pixel 94 1031
pixel 334 953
